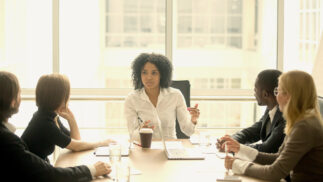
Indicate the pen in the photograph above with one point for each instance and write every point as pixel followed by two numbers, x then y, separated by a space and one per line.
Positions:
pixel 139 121
pixel 137 144
pixel 226 152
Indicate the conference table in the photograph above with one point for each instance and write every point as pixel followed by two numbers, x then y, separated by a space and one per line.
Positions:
pixel 154 166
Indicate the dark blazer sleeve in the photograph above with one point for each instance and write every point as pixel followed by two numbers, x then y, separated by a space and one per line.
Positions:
pixel 273 142
pixel 252 133
pixel 20 164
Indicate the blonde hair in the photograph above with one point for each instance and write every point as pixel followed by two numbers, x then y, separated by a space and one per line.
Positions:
pixel 303 101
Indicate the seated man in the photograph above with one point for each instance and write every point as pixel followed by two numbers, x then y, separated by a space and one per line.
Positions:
pixel 270 128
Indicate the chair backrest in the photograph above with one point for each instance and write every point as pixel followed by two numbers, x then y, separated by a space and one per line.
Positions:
pixel 320 99
pixel 185 87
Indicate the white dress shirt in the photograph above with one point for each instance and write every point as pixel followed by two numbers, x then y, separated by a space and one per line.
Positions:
pixel 271 114
pixel 247 154
pixel 170 105
pixel 243 159
pixel 10 126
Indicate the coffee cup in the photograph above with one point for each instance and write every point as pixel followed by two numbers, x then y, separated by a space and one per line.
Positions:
pixel 146 135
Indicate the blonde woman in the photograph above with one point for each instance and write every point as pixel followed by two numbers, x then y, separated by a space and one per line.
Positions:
pixel 301 154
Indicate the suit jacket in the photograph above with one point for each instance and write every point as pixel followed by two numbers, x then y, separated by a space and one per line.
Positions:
pixel 19 164
pixel 271 141
pixel 301 153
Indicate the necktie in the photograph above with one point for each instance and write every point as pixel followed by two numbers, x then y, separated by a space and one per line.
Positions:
pixel 268 127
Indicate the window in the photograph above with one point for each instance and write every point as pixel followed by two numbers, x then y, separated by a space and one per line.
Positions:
pixel 301 37
pixel 105 40
pixel 26 39
pixel 229 41
pixel 228 114
pixel 220 46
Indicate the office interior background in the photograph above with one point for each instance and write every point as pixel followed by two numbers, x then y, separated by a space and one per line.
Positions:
pixel 218 45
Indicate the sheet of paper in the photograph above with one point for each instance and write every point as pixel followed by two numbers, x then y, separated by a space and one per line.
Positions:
pixel 209 150
pixel 229 178
pixel 174 144
pixel 169 144
pixel 135 171
pixel 104 151
pixel 194 139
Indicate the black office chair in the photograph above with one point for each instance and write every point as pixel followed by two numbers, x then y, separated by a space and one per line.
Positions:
pixel 320 99
pixel 185 87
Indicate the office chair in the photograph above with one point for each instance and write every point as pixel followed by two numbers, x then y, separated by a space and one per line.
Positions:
pixel 320 100
pixel 185 87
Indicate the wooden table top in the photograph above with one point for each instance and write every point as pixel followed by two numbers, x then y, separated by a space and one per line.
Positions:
pixel 155 166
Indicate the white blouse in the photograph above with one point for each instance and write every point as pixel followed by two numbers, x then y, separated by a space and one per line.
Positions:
pixel 170 105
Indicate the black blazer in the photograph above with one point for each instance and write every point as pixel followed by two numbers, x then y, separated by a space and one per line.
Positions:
pixel 18 164
pixel 272 141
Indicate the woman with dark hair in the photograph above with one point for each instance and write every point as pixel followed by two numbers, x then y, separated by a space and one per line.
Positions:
pixel 154 103
pixel 45 129
pixel 301 154
pixel 19 164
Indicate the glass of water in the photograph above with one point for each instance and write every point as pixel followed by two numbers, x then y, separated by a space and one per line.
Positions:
pixel 123 172
pixel 204 139
pixel 114 153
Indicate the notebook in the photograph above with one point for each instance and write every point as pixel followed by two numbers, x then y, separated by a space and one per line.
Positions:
pixel 182 153
pixel 178 153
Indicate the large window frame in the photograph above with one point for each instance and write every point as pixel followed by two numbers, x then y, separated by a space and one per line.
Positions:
pixel 119 94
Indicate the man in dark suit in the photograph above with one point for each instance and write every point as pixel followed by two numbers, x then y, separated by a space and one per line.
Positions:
pixel 270 128
pixel 18 163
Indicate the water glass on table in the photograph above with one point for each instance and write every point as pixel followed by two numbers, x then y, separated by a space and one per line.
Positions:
pixel 123 172
pixel 114 153
pixel 204 139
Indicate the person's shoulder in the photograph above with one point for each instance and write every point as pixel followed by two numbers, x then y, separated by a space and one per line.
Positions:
pixel 306 122
pixel 134 94
pixel 172 90
pixel 8 137
pixel 39 121
pixel 310 122
pixel 309 125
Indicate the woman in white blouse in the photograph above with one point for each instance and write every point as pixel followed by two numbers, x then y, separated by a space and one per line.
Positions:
pixel 301 154
pixel 153 103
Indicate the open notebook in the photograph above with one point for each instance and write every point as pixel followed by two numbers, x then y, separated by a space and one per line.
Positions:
pixel 178 152
pixel 182 153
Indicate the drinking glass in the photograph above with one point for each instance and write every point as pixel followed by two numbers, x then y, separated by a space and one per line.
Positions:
pixel 114 153
pixel 123 172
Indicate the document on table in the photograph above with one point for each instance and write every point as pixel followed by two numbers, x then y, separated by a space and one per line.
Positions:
pixel 169 144
pixel 229 178
pixel 194 139
pixel 104 151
